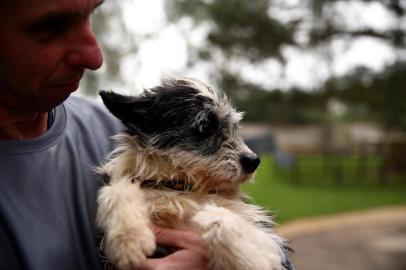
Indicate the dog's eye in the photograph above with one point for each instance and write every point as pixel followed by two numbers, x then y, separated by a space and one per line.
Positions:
pixel 206 126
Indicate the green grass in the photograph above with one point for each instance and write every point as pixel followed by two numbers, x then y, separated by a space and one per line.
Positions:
pixel 289 200
pixel 336 170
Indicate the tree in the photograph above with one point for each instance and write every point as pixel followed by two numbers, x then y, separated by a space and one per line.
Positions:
pixel 251 32
pixel 379 97
pixel 330 25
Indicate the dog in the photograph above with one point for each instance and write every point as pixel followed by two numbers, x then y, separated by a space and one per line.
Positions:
pixel 180 164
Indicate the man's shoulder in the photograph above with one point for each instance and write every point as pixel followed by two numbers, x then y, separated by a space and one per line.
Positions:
pixel 90 112
pixel 77 104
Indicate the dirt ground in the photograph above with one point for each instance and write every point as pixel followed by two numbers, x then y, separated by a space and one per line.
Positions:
pixel 369 240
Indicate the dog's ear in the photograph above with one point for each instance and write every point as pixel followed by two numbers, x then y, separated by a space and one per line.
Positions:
pixel 126 108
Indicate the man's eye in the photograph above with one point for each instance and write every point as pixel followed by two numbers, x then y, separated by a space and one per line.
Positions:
pixel 57 26
pixel 54 29
pixel 50 28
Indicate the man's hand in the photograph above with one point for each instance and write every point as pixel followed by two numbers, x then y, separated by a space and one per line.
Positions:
pixel 190 252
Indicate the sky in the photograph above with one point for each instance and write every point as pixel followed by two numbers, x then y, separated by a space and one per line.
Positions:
pixel 164 54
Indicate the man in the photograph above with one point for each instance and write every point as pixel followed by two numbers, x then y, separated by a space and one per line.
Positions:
pixel 49 143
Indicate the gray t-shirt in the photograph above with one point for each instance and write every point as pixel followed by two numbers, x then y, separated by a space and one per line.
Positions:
pixel 48 191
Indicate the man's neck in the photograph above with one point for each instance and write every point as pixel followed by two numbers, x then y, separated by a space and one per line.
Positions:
pixel 17 125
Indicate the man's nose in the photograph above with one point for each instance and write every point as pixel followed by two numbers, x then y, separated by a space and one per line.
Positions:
pixel 85 52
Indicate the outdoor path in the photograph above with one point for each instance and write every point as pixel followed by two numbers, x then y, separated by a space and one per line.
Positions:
pixel 367 240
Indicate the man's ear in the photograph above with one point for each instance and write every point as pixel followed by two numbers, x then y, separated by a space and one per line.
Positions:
pixel 128 109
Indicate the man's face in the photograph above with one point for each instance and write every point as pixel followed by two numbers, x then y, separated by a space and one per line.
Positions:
pixel 45 47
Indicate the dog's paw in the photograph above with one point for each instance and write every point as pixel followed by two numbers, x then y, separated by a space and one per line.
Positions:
pixel 212 216
pixel 236 243
pixel 130 249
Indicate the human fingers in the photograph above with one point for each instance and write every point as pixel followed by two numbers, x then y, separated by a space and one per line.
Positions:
pixel 176 238
pixel 184 259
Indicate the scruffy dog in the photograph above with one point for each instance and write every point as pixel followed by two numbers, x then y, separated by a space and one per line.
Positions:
pixel 180 164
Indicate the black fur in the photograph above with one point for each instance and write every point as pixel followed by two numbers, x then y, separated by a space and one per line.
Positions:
pixel 170 115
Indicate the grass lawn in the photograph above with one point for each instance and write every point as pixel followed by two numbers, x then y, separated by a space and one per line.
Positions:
pixel 290 201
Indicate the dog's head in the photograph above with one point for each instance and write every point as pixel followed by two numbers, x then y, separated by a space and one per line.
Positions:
pixel 185 130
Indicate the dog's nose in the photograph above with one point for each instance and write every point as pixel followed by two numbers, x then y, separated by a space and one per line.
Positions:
pixel 249 162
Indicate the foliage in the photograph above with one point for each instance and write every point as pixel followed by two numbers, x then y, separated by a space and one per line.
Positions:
pixel 275 106
pixel 329 26
pixel 382 96
pixel 251 32
pixel 240 28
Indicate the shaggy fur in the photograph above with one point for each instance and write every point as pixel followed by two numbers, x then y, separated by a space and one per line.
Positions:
pixel 183 132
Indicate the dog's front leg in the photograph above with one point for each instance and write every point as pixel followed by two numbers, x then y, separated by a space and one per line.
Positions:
pixel 124 216
pixel 235 243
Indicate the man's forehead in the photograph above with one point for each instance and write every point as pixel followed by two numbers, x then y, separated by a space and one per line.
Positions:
pixel 36 8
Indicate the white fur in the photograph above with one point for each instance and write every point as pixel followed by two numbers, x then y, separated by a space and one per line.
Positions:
pixel 223 109
pixel 229 227
pixel 234 242
pixel 123 214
